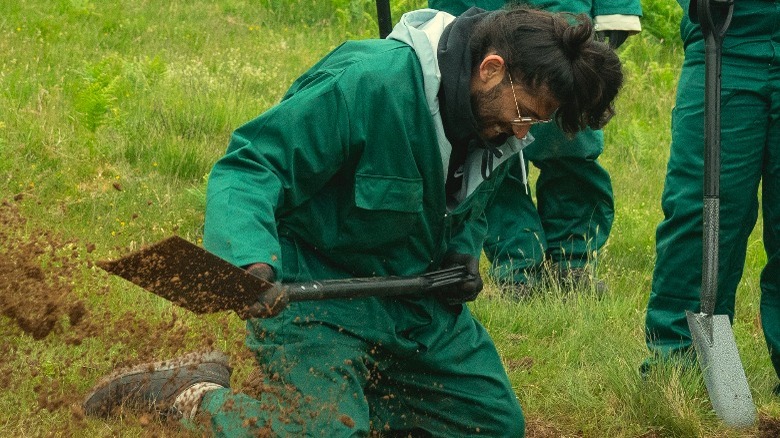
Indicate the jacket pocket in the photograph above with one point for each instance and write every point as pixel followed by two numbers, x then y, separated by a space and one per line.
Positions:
pixel 375 192
pixel 386 211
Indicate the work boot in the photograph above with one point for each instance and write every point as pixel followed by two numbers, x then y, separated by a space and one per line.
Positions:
pixel 565 282
pixel 582 279
pixel 153 387
pixel 522 291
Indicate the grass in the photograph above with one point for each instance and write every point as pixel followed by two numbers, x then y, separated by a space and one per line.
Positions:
pixel 111 115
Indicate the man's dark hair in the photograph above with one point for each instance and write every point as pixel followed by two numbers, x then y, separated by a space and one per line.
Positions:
pixel 557 51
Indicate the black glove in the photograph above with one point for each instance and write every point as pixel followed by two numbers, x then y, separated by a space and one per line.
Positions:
pixel 467 291
pixel 262 271
pixel 614 37
pixel 272 300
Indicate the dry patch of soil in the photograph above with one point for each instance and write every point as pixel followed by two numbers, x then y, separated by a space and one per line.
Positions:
pixel 52 297
pixel 39 299
pixel 768 427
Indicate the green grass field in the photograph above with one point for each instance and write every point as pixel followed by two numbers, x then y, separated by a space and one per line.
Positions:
pixel 111 116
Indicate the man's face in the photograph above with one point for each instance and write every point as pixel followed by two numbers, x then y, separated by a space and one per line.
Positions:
pixel 495 108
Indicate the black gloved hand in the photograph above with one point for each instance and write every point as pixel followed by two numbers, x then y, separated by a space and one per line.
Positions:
pixel 467 291
pixel 262 271
pixel 271 301
pixel 615 38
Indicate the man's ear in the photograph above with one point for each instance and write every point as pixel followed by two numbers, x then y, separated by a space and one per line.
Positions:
pixel 492 70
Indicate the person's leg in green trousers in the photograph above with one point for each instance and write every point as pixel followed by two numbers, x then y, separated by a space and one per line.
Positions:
pixel 770 185
pixel 573 215
pixel 344 367
pixel 516 243
pixel 574 195
pixel 750 154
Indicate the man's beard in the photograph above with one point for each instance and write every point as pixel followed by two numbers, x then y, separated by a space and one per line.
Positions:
pixel 483 105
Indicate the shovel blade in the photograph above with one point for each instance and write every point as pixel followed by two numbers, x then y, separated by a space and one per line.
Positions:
pixel 189 276
pixel 722 369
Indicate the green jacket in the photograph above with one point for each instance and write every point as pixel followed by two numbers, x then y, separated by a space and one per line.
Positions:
pixel 591 7
pixel 344 177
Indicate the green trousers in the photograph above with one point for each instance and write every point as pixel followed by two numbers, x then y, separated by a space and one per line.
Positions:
pixel 341 368
pixel 750 154
pixel 573 214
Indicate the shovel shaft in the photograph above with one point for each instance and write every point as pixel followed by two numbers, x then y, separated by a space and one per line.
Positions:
pixel 712 80
pixel 353 288
pixel 383 17
pixel 711 255
pixel 376 286
pixel 714 17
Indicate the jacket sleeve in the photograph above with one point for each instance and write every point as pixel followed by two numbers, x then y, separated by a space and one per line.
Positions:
pixel 620 15
pixel 616 7
pixel 273 164
pixel 457 7
pixel 469 239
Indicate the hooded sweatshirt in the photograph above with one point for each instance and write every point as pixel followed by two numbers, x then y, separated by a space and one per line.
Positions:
pixel 441 42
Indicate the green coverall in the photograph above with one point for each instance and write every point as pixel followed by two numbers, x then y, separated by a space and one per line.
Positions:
pixel 750 156
pixel 575 210
pixel 344 178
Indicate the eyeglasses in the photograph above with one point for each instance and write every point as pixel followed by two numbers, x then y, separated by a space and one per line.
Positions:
pixel 521 121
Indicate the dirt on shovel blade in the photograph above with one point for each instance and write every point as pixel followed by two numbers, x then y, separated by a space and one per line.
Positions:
pixel 189 276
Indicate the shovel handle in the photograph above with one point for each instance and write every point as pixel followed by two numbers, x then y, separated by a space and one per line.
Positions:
pixel 714 16
pixel 275 299
pixel 377 286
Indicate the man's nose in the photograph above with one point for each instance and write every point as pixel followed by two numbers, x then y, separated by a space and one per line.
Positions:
pixel 520 131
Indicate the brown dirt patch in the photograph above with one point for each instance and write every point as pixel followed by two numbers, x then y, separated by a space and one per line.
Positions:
pixel 39 299
pixel 768 427
pixel 523 364
pixel 35 273
pixel 537 428
pixel 43 278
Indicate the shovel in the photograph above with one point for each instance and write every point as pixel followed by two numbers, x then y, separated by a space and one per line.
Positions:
pixel 201 282
pixel 384 18
pixel 713 338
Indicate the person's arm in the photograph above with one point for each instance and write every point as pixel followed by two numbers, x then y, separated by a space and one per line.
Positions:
pixel 616 20
pixel 469 237
pixel 457 7
pixel 273 164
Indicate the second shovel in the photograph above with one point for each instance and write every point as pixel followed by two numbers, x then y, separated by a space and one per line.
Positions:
pixel 712 334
